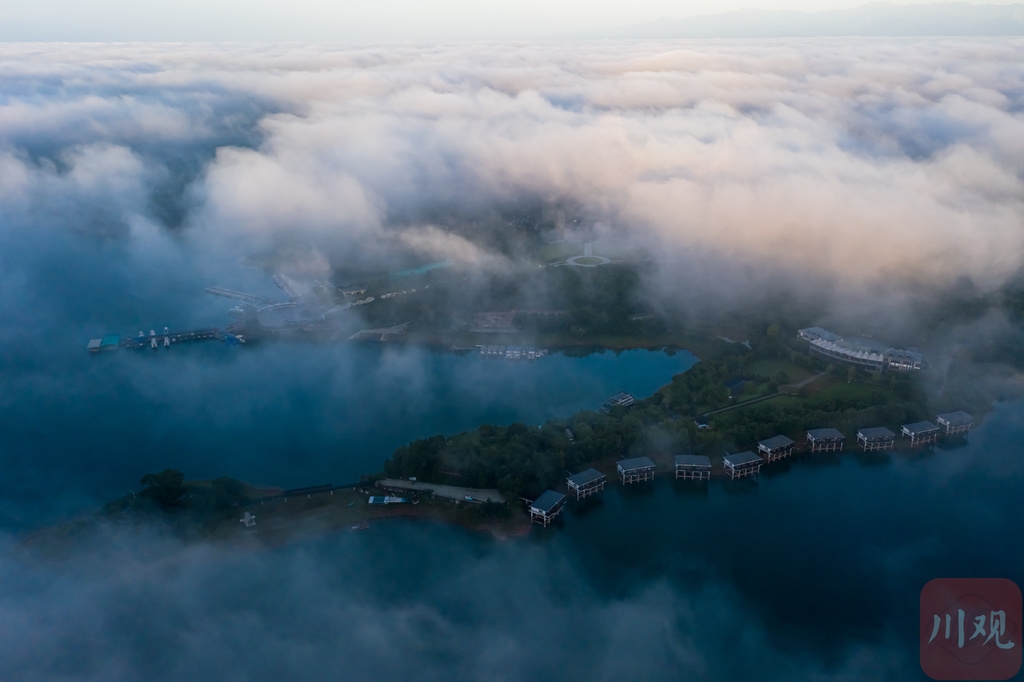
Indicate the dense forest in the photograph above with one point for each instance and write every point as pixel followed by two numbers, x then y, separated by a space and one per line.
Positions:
pixel 523 461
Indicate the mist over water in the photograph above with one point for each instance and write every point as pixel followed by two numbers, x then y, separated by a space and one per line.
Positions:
pixel 812 572
pixel 282 414
pixel 851 178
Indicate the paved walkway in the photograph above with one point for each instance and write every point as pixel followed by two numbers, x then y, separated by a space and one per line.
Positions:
pixel 451 492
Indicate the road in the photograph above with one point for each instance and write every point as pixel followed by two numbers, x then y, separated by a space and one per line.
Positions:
pixel 452 492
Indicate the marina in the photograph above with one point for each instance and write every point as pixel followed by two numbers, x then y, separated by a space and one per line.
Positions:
pixel 165 339
pixel 499 352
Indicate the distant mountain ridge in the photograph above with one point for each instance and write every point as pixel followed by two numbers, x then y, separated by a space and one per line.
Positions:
pixel 874 19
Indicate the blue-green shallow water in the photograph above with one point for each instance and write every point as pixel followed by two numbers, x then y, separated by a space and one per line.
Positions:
pixel 76 429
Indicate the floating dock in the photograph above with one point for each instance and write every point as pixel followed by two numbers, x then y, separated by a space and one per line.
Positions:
pixel 165 339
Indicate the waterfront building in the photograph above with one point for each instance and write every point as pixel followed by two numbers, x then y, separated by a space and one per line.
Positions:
pixel 955 423
pixel 547 507
pixel 693 467
pixel 776 448
pixel 861 352
pixel 621 398
pixel 921 433
pixel 877 438
pixel 586 483
pixel 742 464
pixel 636 470
pixel 825 440
pixel 383 499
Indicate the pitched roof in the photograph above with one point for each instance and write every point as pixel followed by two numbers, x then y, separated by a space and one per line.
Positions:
pixel 956 418
pixel 920 427
pixel 636 463
pixel 875 433
pixel 825 434
pixel 776 442
pixel 585 477
pixel 548 500
pixel 738 458
pixel 693 460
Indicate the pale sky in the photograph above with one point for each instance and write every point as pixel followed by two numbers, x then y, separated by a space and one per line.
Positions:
pixel 355 20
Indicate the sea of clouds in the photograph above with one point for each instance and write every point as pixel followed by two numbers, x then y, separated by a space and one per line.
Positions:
pixel 873 161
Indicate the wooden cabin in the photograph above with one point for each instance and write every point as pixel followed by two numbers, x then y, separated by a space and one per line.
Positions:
pixel 955 423
pixel 585 483
pixel 825 440
pixel 636 470
pixel 775 448
pixel 921 433
pixel 547 507
pixel 876 438
pixel 693 467
pixel 742 464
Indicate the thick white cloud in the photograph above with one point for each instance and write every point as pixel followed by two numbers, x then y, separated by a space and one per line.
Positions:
pixel 862 159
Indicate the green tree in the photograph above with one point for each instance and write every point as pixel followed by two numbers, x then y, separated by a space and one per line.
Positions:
pixel 165 488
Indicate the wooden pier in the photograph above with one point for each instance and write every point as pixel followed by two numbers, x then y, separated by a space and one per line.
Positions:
pixel 825 440
pixel 585 483
pixel 636 470
pixel 742 464
pixel 693 468
pixel 775 448
pixel 169 338
pixel 877 438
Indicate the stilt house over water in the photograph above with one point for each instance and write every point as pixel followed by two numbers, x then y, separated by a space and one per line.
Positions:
pixel 547 507
pixel 775 448
pixel 955 423
pixel 921 433
pixel 825 440
pixel 586 483
pixel 877 438
pixel 636 470
pixel 742 464
pixel 693 467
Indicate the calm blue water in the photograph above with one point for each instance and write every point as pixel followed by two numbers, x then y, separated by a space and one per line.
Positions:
pixel 811 572
pixel 288 414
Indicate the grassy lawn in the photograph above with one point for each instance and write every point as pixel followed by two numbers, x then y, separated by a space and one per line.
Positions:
pixel 624 252
pixel 839 389
pixel 551 253
pixel 770 368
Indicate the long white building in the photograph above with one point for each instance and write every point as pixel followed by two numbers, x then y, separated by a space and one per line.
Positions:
pixel 866 353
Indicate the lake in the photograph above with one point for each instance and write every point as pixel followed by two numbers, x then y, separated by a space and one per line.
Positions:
pixel 84 429
pixel 812 571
